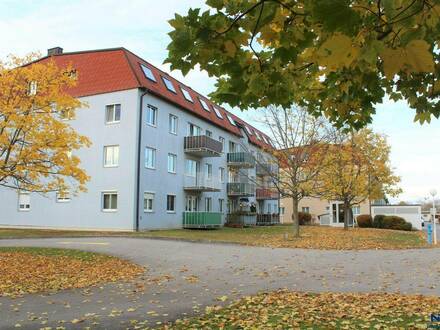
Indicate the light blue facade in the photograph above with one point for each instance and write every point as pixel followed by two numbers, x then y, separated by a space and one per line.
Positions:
pixel 85 211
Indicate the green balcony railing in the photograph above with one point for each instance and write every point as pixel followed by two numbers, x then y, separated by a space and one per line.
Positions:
pixel 241 159
pixel 202 219
pixel 240 189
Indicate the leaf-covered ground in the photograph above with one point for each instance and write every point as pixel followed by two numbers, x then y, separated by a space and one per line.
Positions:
pixel 31 270
pixel 293 310
pixel 312 237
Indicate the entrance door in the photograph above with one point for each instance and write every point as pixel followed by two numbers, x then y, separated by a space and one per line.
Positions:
pixel 192 203
pixel 338 214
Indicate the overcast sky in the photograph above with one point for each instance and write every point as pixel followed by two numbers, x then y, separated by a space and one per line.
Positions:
pixel 141 26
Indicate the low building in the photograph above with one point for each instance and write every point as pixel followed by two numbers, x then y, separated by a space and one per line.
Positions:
pixel 162 155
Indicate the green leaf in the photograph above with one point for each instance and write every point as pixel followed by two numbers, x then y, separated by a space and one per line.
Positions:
pixel 336 15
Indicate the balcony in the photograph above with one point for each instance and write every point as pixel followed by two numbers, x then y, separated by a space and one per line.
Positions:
pixel 241 189
pixel 266 193
pixel 241 159
pixel 202 219
pixel 202 146
pixel 265 169
pixel 200 183
pixel 241 219
pixel 268 219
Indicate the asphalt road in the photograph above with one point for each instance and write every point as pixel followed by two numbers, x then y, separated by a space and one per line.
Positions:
pixel 168 290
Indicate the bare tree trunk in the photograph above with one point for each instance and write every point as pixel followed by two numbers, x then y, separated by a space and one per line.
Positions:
pixel 347 215
pixel 295 217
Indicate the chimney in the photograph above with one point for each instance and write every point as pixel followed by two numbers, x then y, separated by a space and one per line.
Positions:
pixel 54 51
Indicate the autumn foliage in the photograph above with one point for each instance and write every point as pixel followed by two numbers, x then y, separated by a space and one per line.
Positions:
pixel 36 142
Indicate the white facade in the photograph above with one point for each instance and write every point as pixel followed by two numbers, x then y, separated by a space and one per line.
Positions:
pixel 411 213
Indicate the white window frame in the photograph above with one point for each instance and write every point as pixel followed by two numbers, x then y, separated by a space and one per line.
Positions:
pixel 154 155
pixel 148 73
pixel 204 105
pixel 174 204
pixel 231 120
pixel 114 108
pixel 194 128
pixel 187 173
pixel 153 194
pixel 221 205
pixel 221 174
pixel 186 94
pixel 305 209
pixel 169 85
pixel 109 192
pixel 170 126
pixel 26 204
pixel 208 171
pixel 217 112
pixel 208 204
pixel 248 130
pixel 223 141
pixel 63 196
pixel 208 133
pixel 155 111
pixel 113 162
pixel 32 88
pixel 174 157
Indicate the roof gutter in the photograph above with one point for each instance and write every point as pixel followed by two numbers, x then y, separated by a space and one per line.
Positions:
pixel 138 168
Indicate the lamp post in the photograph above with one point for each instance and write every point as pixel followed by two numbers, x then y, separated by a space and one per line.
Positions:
pixel 433 192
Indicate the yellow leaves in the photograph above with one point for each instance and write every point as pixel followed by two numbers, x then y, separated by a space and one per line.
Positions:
pixel 336 52
pixel 414 58
pixel 230 48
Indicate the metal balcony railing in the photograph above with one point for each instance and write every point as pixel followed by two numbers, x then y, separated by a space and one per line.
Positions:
pixel 202 219
pixel 265 169
pixel 201 182
pixel 241 159
pixel 202 146
pixel 268 219
pixel 241 189
pixel 266 193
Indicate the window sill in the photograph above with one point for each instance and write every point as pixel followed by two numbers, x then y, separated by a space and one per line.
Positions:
pixel 110 211
pixel 24 210
pixel 147 211
pixel 173 133
pixel 150 168
pixel 63 202
pixel 112 122
pixel 110 166
pixel 171 212
pixel 172 172
pixel 151 125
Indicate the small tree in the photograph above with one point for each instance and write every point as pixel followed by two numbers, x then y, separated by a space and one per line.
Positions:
pixel 356 168
pixel 299 142
pixel 35 143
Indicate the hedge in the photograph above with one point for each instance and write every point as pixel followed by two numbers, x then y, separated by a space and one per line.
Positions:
pixel 304 218
pixel 364 221
pixel 391 222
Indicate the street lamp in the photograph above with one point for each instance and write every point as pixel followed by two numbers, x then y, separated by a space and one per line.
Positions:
pixel 433 192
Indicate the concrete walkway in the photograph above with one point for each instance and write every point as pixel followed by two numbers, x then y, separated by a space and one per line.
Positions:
pixel 183 278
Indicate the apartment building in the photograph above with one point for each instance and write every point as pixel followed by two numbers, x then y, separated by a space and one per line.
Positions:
pixel 162 155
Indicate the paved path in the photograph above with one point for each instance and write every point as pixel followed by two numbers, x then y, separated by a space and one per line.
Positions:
pixel 166 291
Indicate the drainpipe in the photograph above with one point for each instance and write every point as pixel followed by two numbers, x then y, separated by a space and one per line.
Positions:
pixel 139 149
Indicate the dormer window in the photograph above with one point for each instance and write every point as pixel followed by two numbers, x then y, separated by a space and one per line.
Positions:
pixel 204 104
pixel 257 135
pixel 148 73
pixel 169 84
pixel 32 88
pixel 248 130
pixel 231 120
pixel 186 94
pixel 218 113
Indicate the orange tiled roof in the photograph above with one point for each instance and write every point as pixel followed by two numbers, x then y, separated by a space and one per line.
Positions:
pixel 117 69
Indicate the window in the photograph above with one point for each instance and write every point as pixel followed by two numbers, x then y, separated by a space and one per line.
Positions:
pixel 32 89
pixel 248 130
pixel 208 204
pixel 222 140
pixel 204 104
pixel 109 201
pixel 186 94
pixel 191 168
pixel 24 201
pixel 269 208
pixel 208 133
pixel 150 158
pixel 169 85
pixel 282 210
pixel 66 114
pixel 221 174
pixel 111 156
pixel 171 203
pixel 231 120
pixel 257 135
pixel 356 210
pixel 232 147
pixel 191 203
pixel 63 196
pixel 218 113
pixel 208 171
pixel 221 203
pixel 172 123
pixel 151 115
pixel 112 113
pixel 148 202
pixel 148 73
pixel 306 209
pixel 172 162
pixel 194 130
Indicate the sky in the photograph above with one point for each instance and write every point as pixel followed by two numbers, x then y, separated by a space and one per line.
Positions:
pixel 141 26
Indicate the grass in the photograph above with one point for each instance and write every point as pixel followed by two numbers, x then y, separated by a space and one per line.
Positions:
pixel 31 270
pixel 294 310
pixel 313 237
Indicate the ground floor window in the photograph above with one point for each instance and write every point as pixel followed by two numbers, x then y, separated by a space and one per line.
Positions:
pixel 24 201
pixel 191 203
pixel 221 203
pixel 171 203
pixel 282 210
pixel 306 209
pixel 208 204
pixel 109 201
pixel 63 197
pixel 148 201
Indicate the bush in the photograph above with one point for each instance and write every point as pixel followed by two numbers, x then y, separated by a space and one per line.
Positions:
pixel 391 222
pixel 364 221
pixel 304 218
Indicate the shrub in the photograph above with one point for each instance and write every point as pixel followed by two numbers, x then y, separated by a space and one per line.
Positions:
pixel 364 221
pixel 304 218
pixel 391 222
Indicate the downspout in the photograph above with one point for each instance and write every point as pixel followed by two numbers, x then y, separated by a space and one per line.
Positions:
pixel 139 149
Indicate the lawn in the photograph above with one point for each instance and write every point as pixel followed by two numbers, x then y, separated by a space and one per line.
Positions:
pixel 312 237
pixel 294 310
pixel 30 270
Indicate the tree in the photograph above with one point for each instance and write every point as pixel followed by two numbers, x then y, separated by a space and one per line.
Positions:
pixel 300 141
pixel 356 168
pixel 35 142
pixel 336 58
